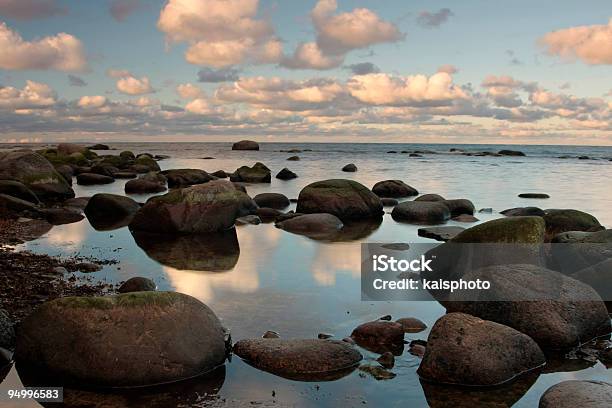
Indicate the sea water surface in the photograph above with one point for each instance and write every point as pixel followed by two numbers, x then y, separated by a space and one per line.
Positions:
pixel 300 287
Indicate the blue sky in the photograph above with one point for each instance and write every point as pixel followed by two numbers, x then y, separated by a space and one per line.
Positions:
pixel 479 39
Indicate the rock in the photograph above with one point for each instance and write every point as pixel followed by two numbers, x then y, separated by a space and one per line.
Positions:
pixel 554 310
pixel 60 270
pixel 294 158
pixel 440 233
pixel 598 277
pixel 60 216
pixel 286 174
pixel 220 174
pixel 378 372
pixel 88 179
pixel 128 155
pixel 324 336
pixel 302 359
pixel 259 173
pixel 104 170
pixel 110 206
pixel 144 164
pixel 7 331
pixel 387 318
pixel 286 216
pixel 147 183
pixel 417 349
pixel 85 341
pixel 511 153
pixel 69 148
pixel 270 335
pixel 88 267
pixel 386 360
pixel 533 195
pixel 66 172
pixel 524 230
pixel 99 146
pixel 421 212
pixel 465 350
pixel 350 168
pixel 248 219
pixel 379 336
pixel 389 202
pixel 398 246
pixel 137 284
pixel 272 200
pixel 209 207
pixel 125 175
pixel 486 210
pixel 578 393
pixel 575 237
pixel 523 212
pixel 459 206
pixel 19 190
pixel 411 324
pixel 430 197
pixel 268 214
pixel 558 221
pixel 245 145
pixel 186 177
pixel 346 199
pixel 393 189
pixel 13 207
pixel 36 173
pixel 465 218
pixel 320 226
pixel 415 155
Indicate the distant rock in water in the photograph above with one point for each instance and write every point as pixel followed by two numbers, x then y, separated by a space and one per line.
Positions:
pixel 350 168
pixel 245 145
pixel 186 177
pixel 578 393
pixel 259 173
pixel 89 179
pixel 393 189
pixel 294 158
pixel 137 284
pixel 99 146
pixel 272 200
pixel 286 174
pixel 430 197
pixel 511 153
pixel 533 195
pixel 523 212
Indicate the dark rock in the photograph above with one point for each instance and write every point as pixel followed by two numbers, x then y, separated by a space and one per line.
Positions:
pixel 270 335
pixel 459 206
pixel 19 190
pixel 411 324
pixel 147 183
pixel 578 393
pixel 533 195
pixel 245 145
pixel 465 350
pixel 398 246
pixel 486 210
pixel 125 175
pixel 524 230
pixel 7 331
pixel 99 146
pixel 89 179
pixel 421 212
pixel 377 372
pixel 350 168
pixel 186 177
pixel 430 197
pixel 389 202
pixel 387 318
pixel 137 284
pixel 220 174
pixel 511 153
pixel 558 221
pixel 248 220
pixel 393 189
pixel 440 233
pixel 523 212
pixel 287 216
pixel 105 205
pixel 598 277
pixel 417 349
pixel 268 214
pixel 13 207
pixel 415 155
pixel 272 200
pixel 380 336
pixel 209 207
pixel 286 174
pixel 88 267
pixel 386 360
pixel 66 171
pixel 84 340
pixel 70 148
pixel 146 163
pixel 104 170
pixel 60 216
pixel 294 158
pixel 324 336
pixel 575 237
pixel 465 218
pixel 259 173
pixel 308 359
pixel 320 226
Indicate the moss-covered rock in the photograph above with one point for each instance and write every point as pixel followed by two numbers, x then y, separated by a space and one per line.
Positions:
pixel 127 154
pixel 259 173
pixel 523 230
pixel 558 221
pixel 148 162
pixel 186 177
pixel 421 212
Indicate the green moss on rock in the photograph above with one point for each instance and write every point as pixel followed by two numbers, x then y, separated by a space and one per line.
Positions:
pixel 528 230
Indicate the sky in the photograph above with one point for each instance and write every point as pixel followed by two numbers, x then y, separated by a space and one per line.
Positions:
pixel 522 72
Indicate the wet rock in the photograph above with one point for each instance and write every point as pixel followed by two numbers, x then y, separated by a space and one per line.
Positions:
pixel 13 207
pixel 459 206
pixel 421 212
pixel 19 190
pixel 66 172
pixel 486 210
pixel 104 170
pixel 533 195
pixel 525 230
pixel 259 173
pixel 220 174
pixel 575 237
pixel 511 153
pixel 88 267
pixel 209 207
pixel 89 179
pixel 346 199
pixel 389 202
pixel 144 164
pixel 36 173
pixel 248 220
pixel 465 350
pixel 286 174
pixel 417 349
pixel 7 331
pixel 268 214
pixel 387 360
pixel 440 233
pixel 288 215
pixel 350 168
pixel 73 338
pixel 558 221
pixel 379 336
pixel 60 216
pixel 245 145
pixel 393 189
pixel 312 359
pixel 110 208
pixel 312 225
pixel 324 336
pixel 411 324
pixel 430 197
pixel 577 393
pixel 186 177
pixel 270 335
pixel 272 200
pixel 465 218
pixel 125 175
pixel 147 183
pixel 378 372
pixel 523 212
pixel 137 284
pixel 294 158
pixel 70 148
pixel 554 310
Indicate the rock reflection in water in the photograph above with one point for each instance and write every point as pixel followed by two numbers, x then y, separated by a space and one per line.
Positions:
pixel 108 223
pixel 351 231
pixel 214 252
pixel 323 376
pixel 196 391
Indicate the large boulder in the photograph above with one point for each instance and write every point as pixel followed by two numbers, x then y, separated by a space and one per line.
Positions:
pixel 209 207
pixel 430 197
pixel 112 206
pixel 555 310
pixel 145 163
pixel 259 173
pixel 300 359
pixel 272 200
pixel 18 190
pixel 380 336
pixel 558 221
pixel 421 212
pixel 523 212
pixel 286 174
pixel 66 171
pixel 312 225
pixel 13 207
pixel 346 199
pixel 349 168
pixel 393 189
pixel 90 179
pixel 186 177
pixel 520 230
pixel 70 148
pixel 459 206
pixel 99 342
pixel 466 350
pixel 245 145
pixel 7 331
pixel 36 173
pixel 578 393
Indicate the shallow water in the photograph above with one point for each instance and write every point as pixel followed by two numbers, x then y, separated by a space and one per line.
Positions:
pixel 300 287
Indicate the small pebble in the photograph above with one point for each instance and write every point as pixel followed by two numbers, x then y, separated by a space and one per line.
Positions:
pixel 386 360
pixel 271 335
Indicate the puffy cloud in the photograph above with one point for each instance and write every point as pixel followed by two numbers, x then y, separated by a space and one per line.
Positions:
pixel 118 73
pixel 92 101
pixel 29 9
pixel 429 19
pixel 218 75
pixel 144 101
pixel 189 91
pixel 384 89
pixel 590 44
pixel 503 90
pixel 310 56
pixel 34 95
pixel 198 106
pixel 363 68
pixel 122 9
pixel 129 84
pixel 62 52
pixel 220 32
pixel 74 80
pixel 448 68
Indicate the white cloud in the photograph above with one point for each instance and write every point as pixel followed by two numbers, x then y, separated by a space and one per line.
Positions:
pixel 62 52
pixel 131 85
pixel 199 106
pixel 34 95
pixel 310 56
pixel 189 91
pixel 92 101
pixel 590 44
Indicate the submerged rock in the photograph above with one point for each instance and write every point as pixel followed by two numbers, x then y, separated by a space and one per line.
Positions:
pixel 578 393
pixel 411 324
pixel 523 212
pixel 393 189
pixel 312 225
pixel 380 336
pixel 421 212
pixel 349 168
pixel 286 174
pixel 533 195
pixel 440 233
pixel 84 341
pixel 300 359
pixel 259 173
pixel 245 145
pixel 465 350
pixel 137 284
pixel 272 200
